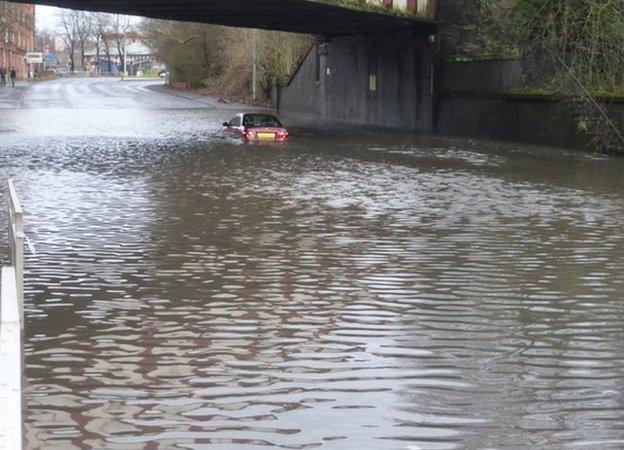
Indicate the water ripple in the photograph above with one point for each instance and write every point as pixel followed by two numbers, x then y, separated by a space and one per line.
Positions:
pixel 384 291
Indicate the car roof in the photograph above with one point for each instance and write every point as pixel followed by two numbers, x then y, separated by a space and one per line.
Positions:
pixel 256 114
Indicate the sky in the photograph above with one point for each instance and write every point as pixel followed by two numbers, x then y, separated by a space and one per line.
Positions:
pixel 46 17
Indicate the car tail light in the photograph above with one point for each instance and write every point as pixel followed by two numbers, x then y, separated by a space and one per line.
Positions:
pixel 282 134
pixel 250 134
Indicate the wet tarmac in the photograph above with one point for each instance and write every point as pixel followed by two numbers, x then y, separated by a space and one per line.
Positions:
pixel 354 289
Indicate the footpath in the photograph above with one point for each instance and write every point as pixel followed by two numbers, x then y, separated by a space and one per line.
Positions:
pixel 11 97
pixel 198 97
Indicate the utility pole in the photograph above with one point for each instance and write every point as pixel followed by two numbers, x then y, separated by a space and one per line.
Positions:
pixel 254 70
pixel 124 60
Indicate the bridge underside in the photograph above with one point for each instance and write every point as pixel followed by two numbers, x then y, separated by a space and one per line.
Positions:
pixel 302 16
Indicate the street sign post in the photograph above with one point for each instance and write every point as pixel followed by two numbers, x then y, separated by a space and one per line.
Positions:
pixel 34 58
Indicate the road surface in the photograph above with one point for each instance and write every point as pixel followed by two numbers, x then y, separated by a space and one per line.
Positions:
pixel 354 289
pixel 110 93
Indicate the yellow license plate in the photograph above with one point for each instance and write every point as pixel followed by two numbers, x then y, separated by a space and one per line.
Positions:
pixel 266 136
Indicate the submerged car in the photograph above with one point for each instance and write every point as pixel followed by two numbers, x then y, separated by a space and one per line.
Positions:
pixel 257 127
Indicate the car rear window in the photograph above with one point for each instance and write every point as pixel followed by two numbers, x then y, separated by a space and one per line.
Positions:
pixel 260 120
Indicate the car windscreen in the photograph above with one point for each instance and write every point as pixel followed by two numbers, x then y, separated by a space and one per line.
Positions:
pixel 260 120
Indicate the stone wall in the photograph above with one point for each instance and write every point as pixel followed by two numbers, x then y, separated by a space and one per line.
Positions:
pixel 538 120
pixel 482 76
pixel 453 16
pixel 534 119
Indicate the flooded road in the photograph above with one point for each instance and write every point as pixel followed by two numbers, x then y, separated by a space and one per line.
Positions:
pixel 352 290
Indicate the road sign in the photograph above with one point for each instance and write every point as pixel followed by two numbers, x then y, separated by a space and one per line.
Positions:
pixel 34 58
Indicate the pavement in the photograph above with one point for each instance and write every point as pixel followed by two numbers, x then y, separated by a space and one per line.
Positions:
pixel 109 107
pixel 11 97
pixel 193 96
pixel 11 359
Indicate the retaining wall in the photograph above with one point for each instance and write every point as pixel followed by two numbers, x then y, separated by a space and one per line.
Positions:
pixel 541 120
pixel 413 92
pixel 538 120
pixel 501 75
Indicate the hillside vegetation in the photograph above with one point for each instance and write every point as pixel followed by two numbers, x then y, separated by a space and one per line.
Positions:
pixel 219 59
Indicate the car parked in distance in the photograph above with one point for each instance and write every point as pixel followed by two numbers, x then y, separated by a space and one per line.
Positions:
pixel 257 128
pixel 61 71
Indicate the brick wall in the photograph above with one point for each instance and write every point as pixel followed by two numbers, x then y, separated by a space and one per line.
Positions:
pixel 18 39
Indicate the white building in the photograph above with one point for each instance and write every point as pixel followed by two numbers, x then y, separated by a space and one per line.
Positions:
pixel 139 58
pixel 423 7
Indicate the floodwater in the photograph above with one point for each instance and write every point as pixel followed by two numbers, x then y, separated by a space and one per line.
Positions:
pixel 351 290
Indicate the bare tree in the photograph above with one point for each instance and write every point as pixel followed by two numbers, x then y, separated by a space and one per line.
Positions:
pixel 121 25
pixel 84 31
pixel 220 58
pixel 69 34
pixel 101 29
pixel 106 40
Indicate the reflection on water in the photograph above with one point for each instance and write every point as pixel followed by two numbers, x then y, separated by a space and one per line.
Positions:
pixel 380 291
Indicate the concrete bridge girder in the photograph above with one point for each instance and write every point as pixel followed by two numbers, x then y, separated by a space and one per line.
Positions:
pixel 301 16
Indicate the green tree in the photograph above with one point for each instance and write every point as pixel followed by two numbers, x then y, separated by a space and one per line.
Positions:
pixel 584 37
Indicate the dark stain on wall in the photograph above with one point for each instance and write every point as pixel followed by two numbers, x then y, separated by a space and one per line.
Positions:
pixel 541 120
pixel 398 96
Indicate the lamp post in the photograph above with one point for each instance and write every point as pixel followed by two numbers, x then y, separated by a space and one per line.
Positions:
pixel 123 58
pixel 254 69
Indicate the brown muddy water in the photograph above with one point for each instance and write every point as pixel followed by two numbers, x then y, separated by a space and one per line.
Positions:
pixel 352 290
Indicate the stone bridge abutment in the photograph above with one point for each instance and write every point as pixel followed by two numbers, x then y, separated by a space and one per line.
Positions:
pixel 381 79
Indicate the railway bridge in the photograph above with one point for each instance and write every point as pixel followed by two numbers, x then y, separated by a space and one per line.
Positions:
pixel 373 66
pixel 301 16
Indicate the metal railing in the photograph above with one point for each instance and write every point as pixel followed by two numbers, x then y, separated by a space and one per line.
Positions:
pixel 12 329
pixel 16 242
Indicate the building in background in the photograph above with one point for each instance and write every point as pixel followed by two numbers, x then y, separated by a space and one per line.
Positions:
pixel 140 58
pixel 17 35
